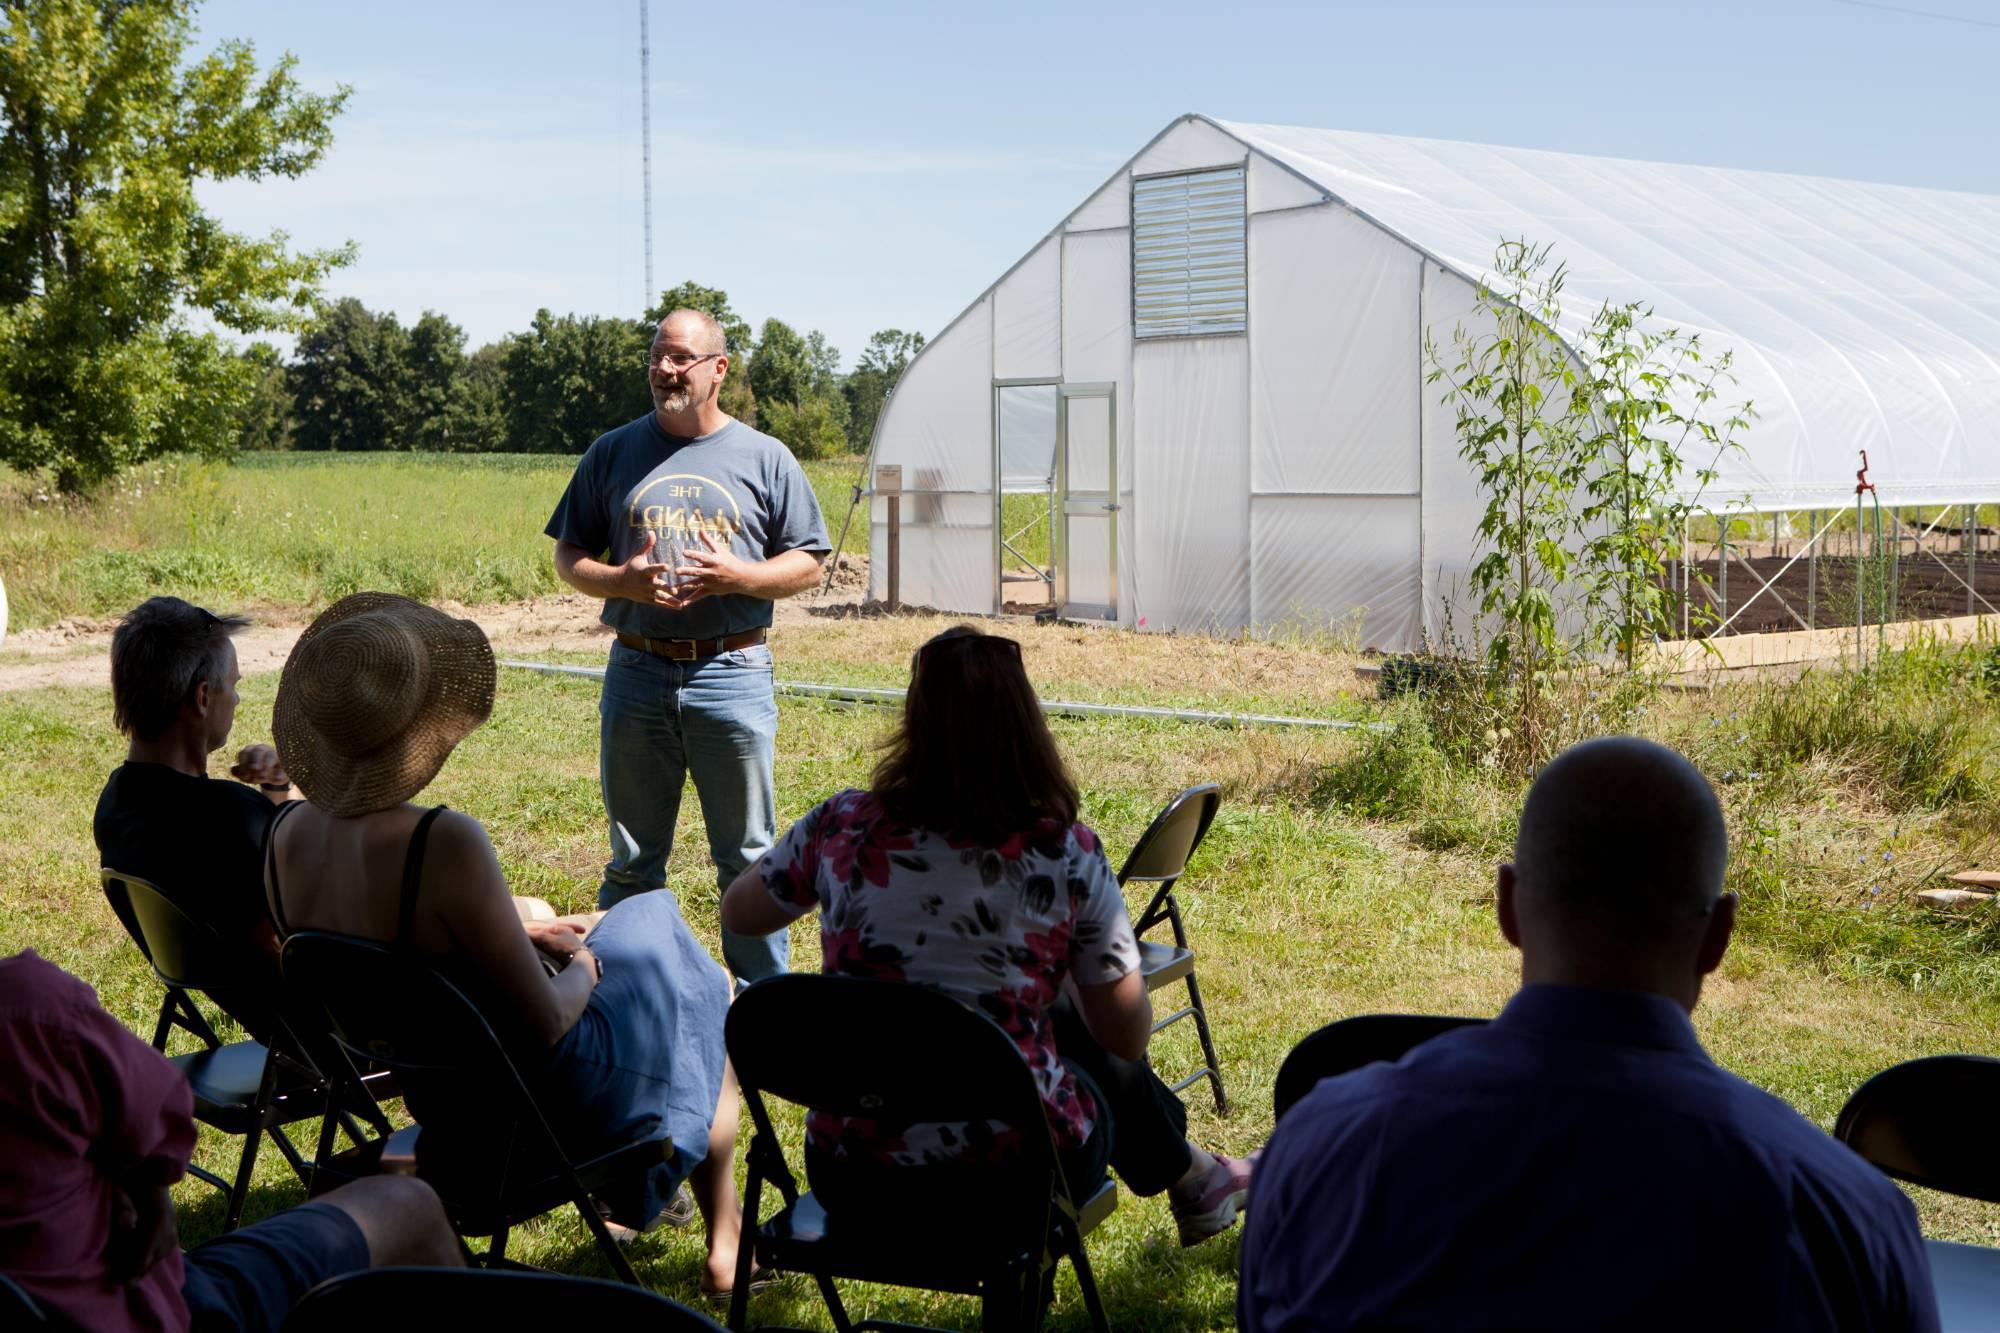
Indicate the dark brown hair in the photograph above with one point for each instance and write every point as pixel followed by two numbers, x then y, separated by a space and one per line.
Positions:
pixel 161 650
pixel 973 756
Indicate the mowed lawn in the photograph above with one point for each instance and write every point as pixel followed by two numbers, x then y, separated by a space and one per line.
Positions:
pixel 1348 872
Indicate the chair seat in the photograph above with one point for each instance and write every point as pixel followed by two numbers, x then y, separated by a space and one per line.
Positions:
pixel 1163 964
pixel 898 1247
pixel 466 1187
pixel 1966 1279
pixel 225 1082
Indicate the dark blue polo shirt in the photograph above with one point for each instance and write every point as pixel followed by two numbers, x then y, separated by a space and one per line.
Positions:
pixel 1578 1163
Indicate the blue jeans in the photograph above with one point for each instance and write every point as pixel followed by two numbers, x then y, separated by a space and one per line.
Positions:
pixel 662 722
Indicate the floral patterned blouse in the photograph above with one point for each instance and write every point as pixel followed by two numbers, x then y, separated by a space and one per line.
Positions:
pixel 998 927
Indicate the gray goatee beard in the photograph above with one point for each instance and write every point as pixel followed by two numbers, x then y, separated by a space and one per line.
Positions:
pixel 674 400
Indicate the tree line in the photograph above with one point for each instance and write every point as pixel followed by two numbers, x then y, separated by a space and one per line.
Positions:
pixel 125 307
pixel 359 379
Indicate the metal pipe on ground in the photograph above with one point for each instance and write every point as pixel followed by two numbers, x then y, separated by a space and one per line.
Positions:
pixel 886 698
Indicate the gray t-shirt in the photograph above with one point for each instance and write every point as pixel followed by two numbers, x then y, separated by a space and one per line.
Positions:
pixel 736 483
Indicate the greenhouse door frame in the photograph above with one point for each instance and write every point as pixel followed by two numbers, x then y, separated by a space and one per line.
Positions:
pixel 1091 503
pixel 1000 494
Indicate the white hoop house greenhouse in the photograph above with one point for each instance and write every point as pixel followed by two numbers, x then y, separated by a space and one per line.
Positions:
pixel 1199 404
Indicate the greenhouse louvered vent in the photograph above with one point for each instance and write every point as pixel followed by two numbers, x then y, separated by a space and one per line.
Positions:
pixel 1188 269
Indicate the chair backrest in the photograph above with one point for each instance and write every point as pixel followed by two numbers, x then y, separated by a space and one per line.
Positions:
pixel 883 1050
pixel 491 1298
pixel 1920 1121
pixel 391 1005
pixel 184 952
pixel 1169 842
pixel 18 1309
pixel 1350 1043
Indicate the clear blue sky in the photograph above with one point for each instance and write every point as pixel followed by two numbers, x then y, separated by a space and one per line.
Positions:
pixel 851 167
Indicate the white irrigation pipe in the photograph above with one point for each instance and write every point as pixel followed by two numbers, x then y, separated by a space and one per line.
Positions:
pixel 888 698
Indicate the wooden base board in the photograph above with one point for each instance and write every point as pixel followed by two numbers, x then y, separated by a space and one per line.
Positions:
pixel 1734 652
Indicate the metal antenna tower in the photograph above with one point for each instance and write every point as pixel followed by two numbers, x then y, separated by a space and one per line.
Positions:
pixel 646 140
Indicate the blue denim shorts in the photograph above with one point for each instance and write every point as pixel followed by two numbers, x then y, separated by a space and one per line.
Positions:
pixel 251 1279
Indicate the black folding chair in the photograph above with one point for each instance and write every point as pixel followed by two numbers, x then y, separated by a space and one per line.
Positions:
pixel 1349 1043
pixel 393 1007
pixel 177 1007
pixel 246 1088
pixel 18 1309
pixel 1919 1121
pixel 905 1054
pixel 1911 1121
pixel 1160 857
pixel 486 1298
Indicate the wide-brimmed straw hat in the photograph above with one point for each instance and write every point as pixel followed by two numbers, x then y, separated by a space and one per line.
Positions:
pixel 374 697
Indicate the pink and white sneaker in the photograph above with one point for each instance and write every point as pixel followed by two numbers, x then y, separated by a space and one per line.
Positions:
pixel 1213 1211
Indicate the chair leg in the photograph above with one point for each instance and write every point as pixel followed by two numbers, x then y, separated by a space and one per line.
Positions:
pixel 496 1251
pixel 835 1308
pixel 1011 1301
pixel 1207 1044
pixel 1086 1282
pixel 239 1190
pixel 611 1249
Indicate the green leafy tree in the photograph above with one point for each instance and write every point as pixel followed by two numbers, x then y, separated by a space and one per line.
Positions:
pixel 797 383
pixel 265 422
pixel 737 398
pixel 869 385
pixel 106 257
pixel 816 428
pixel 571 378
pixel 780 369
pixel 348 381
pixel 433 361
pixel 477 414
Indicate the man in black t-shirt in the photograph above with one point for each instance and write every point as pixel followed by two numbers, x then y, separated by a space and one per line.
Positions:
pixel 161 818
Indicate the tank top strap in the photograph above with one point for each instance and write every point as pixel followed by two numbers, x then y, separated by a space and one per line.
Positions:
pixel 413 874
pixel 273 898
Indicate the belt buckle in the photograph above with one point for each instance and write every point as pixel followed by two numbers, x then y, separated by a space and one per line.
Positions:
pixel 677 650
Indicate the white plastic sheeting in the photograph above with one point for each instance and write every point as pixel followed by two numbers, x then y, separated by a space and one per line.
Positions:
pixel 941 434
pixel 1193 544
pixel 1862 316
pixel 1027 437
pixel 1335 383
pixel 1304 474
pixel 1345 564
pixel 1027 317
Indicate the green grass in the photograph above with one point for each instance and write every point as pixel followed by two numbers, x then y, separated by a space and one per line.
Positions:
pixel 279 531
pixel 1347 872
pixel 1302 910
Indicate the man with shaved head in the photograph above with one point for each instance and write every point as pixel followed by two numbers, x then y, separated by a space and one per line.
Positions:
pixel 1580 1162
pixel 689 524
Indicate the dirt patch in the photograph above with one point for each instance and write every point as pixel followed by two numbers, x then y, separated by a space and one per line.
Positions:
pixel 78 652
pixel 1802 596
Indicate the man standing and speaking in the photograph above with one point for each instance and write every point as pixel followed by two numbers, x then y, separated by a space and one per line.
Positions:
pixel 689 524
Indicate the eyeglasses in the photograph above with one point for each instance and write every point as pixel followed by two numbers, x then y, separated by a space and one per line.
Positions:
pixel 679 361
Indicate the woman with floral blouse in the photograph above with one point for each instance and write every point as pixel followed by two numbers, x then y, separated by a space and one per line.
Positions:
pixel 963 868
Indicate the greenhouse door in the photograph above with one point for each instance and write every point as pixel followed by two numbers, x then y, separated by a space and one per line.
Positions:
pixel 1087 482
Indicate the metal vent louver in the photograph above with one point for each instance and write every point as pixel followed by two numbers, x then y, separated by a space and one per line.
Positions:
pixel 1188 271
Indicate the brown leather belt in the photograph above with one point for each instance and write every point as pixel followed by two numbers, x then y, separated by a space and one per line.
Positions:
pixel 690 650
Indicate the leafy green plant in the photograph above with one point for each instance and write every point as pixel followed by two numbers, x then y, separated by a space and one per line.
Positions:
pixel 1593 451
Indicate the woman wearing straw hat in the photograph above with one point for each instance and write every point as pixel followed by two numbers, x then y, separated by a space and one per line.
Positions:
pixel 624 1028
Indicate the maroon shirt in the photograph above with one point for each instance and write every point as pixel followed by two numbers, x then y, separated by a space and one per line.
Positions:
pixel 83 1102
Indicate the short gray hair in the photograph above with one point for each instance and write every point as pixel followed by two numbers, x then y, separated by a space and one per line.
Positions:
pixel 161 650
pixel 711 341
